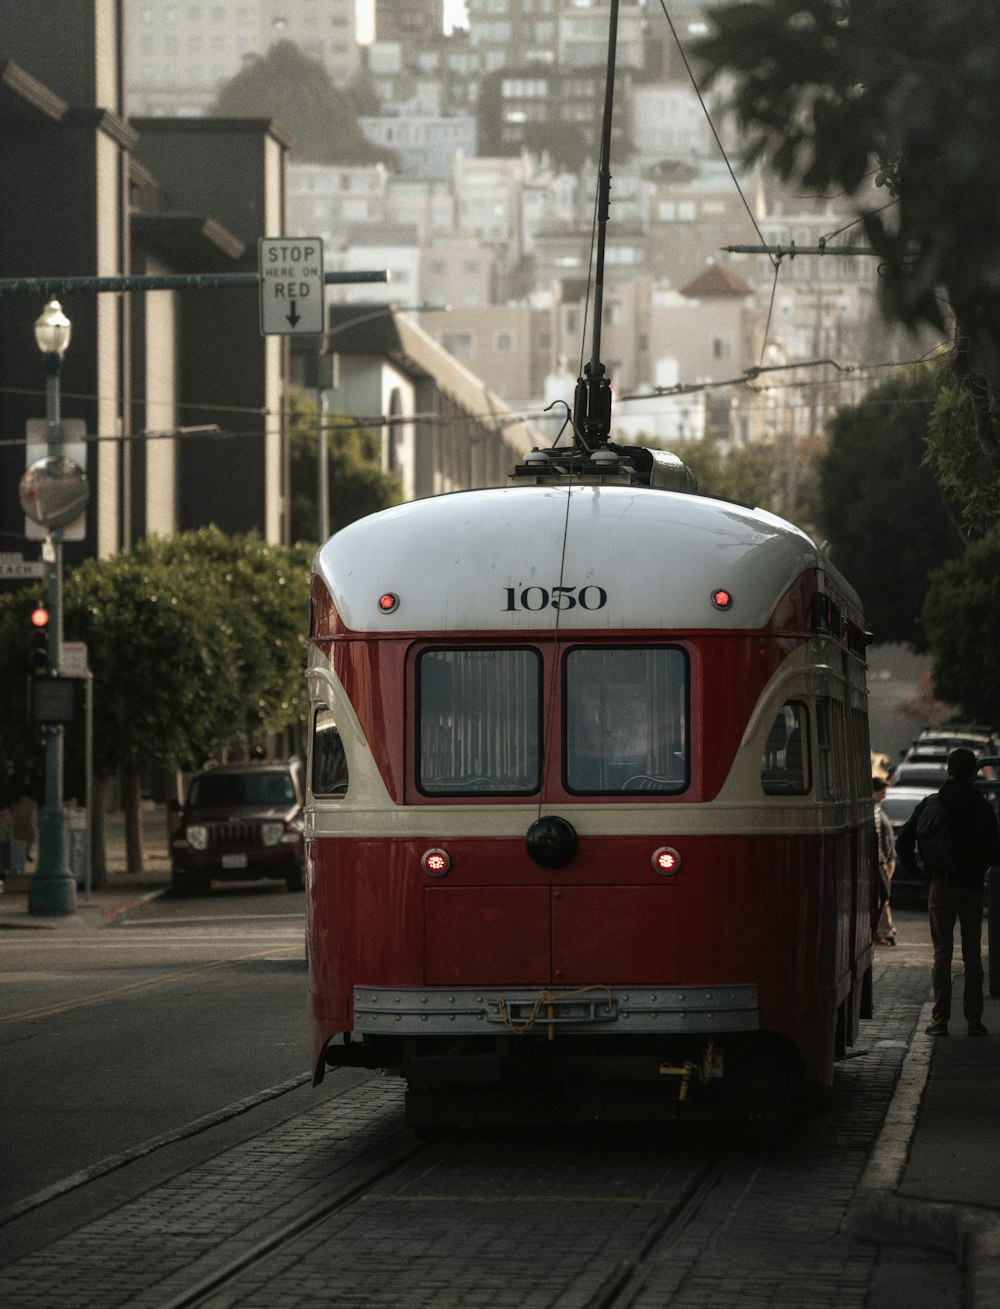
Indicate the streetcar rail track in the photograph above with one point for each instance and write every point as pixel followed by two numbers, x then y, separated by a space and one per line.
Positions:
pixel 304 1222
pixel 618 1290
pixel 626 1279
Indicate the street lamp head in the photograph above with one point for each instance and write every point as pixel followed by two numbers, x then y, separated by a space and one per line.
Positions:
pixel 53 329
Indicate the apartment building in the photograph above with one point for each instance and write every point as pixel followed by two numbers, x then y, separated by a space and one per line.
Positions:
pixel 177 54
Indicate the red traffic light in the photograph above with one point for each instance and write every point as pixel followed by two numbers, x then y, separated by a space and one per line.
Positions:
pixel 39 640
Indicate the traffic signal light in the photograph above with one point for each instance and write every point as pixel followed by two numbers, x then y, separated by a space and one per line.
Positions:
pixel 39 640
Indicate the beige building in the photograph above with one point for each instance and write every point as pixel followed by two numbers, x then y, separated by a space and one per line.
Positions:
pixel 178 54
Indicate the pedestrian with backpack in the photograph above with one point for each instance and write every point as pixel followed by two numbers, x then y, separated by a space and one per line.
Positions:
pixel 951 838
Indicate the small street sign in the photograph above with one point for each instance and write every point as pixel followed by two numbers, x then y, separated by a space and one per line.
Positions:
pixel 15 568
pixel 291 285
pixel 73 659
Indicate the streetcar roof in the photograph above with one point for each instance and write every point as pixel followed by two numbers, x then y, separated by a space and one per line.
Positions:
pixel 634 557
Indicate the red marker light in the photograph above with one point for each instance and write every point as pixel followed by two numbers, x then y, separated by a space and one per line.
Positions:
pixel 666 860
pixel 40 616
pixel 388 602
pixel 722 599
pixel 435 863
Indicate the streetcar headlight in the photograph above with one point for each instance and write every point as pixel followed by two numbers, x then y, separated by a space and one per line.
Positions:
pixel 197 836
pixel 271 833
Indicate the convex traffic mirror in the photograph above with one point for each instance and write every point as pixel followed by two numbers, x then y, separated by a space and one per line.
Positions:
pixel 54 491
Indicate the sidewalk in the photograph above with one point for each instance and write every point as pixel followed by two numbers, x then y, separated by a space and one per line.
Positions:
pixel 122 890
pixel 933 1178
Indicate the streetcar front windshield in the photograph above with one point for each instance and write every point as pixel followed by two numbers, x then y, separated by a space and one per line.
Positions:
pixel 479 721
pixel 626 719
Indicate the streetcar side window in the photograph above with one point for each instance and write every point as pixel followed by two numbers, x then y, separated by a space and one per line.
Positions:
pixel 329 762
pixel 479 721
pixel 626 719
pixel 784 767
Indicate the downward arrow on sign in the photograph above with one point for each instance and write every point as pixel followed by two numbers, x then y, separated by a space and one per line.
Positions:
pixel 293 317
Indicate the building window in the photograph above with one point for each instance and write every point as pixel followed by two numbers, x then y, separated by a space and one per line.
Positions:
pixel 504 341
pixel 458 344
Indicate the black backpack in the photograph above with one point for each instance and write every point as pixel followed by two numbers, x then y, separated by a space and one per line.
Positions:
pixel 935 842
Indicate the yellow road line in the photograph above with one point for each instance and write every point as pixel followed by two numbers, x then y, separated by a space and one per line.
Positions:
pixel 165 978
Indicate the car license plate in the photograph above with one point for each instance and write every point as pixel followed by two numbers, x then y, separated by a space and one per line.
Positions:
pixel 234 861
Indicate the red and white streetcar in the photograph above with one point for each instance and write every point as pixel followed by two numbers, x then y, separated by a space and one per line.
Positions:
pixel 589 826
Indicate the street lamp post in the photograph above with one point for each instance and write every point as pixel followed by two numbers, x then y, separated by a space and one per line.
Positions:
pixel 53 889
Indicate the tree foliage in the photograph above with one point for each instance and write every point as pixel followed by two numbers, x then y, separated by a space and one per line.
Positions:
pixel 831 92
pixel 261 605
pixel 886 518
pixel 298 91
pixel 782 478
pixel 358 485
pixel 195 643
pixel 957 459
pixel 961 617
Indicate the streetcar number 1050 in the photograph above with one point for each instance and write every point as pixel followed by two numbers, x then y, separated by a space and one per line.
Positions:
pixel 536 598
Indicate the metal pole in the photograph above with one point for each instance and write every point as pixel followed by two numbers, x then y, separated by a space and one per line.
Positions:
pixel 88 782
pixel 52 889
pixel 322 468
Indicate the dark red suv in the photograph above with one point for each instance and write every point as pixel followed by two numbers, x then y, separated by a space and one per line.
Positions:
pixel 240 822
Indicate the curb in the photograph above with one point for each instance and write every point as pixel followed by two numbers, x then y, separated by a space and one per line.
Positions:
pixel 878 1213
pixel 115 911
pixel 22 920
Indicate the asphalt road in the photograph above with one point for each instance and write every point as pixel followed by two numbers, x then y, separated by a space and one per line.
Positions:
pixel 115 1036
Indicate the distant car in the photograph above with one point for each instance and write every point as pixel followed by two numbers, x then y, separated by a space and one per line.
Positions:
pixel 898 805
pixel 919 774
pixel 918 754
pixel 988 782
pixel 980 740
pixel 240 822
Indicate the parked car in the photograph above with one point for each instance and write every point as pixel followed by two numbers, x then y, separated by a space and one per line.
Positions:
pixel 919 754
pixel 240 822
pixel 928 775
pixel 988 782
pixel 980 740
pixel 898 805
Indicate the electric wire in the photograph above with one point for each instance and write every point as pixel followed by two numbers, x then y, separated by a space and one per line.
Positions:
pixel 851 376
pixel 708 119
